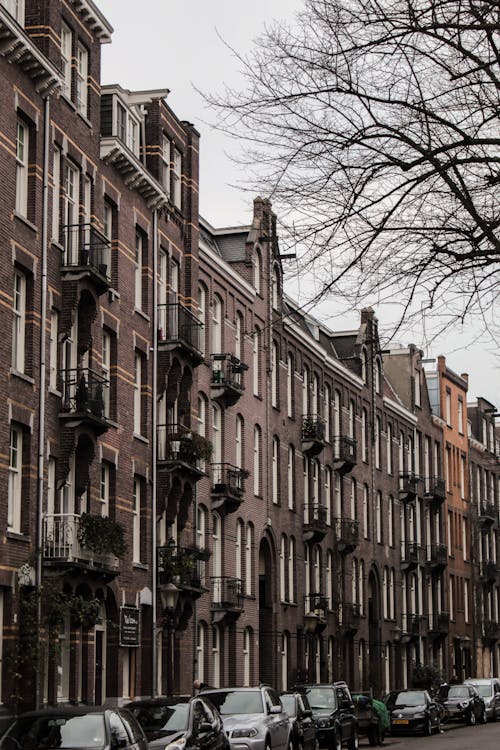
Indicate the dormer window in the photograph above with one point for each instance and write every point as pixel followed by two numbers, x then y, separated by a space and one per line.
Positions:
pixel 127 128
pixel 15 8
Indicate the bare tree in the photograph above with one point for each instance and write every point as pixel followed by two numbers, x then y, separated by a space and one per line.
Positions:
pixel 374 125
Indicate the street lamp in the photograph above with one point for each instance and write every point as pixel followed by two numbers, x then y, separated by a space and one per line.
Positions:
pixel 169 596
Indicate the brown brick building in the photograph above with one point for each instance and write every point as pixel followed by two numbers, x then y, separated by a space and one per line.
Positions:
pixel 200 479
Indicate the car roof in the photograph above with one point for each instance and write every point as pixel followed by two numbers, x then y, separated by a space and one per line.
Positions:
pixel 234 689
pixel 171 700
pixel 66 711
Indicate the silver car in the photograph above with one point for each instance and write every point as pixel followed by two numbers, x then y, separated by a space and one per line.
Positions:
pixel 489 690
pixel 253 717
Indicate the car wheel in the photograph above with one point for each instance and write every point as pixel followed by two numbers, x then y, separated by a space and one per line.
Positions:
pixel 337 742
pixel 353 743
pixel 472 718
pixel 428 727
pixel 484 718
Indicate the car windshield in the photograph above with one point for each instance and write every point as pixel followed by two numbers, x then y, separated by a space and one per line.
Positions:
pixel 457 692
pixel 485 690
pixel 241 702
pixel 162 719
pixel 288 703
pixel 410 698
pixel 47 732
pixel 321 697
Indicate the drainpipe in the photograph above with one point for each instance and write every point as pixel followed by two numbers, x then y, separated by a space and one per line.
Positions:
pixel 41 400
pixel 154 651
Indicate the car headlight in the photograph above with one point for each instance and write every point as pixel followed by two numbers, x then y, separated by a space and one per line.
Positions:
pixel 246 732
pixel 323 722
pixel 420 715
pixel 179 744
pixel 463 704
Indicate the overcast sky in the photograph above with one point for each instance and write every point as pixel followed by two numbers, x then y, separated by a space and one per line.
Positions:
pixel 178 45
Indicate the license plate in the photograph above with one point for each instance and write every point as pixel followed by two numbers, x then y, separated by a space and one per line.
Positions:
pixel 400 721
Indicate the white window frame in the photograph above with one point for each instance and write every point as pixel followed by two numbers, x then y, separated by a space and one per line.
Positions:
pixel 248 560
pixel 139 259
pixel 15 479
pixel 291 477
pixel 19 321
pixel 256 460
pixel 22 155
pixel 255 361
pixel 106 370
pixel 104 488
pixel 275 470
pixel 289 386
pixel 166 164
pixel 16 9
pixel 177 179
pixel 274 375
pixel 137 394
pixel 66 55
pixel 136 521
pixel 82 74
pixel 53 349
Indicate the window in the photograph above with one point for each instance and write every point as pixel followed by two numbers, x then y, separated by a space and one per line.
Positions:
pixel 165 165
pixel 202 313
pixel 378 439
pixel 248 560
pixel 255 361
pixel 291 477
pixel 378 376
pixel 106 370
pixel 71 193
pixel 289 385
pixel 139 260
pixel 105 483
pixel 177 179
pixel 257 270
pixel 305 391
pixel 389 448
pixel 53 348
pixel 22 149
pixel 283 555
pixel 239 442
pixel 390 521
pixel 326 412
pixel 460 416
pixel 15 479
pixel 378 517
pixel 365 512
pixel 138 394
pixel 274 376
pixel 238 336
pixel 363 366
pixel 217 438
pixel 364 435
pixel 136 521
pixel 66 47
pixel 238 548
pixel 256 460
pixel 56 194
pixel 275 289
pixel 352 414
pixel 16 9
pixel 19 321
pixel 275 470
pixel 448 407
pixel 82 66
pixel 217 325
pixel 291 569
pixel 328 494
pixel 247 655
pixel 418 399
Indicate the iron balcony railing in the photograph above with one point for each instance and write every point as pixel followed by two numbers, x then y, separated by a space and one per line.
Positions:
pixel 408 485
pixel 313 428
pixel 315 515
pixel 439 622
pixel 487 513
pixel 345 449
pixel 412 623
pixel 180 565
pixel 349 614
pixel 410 553
pixel 175 442
pixel 85 247
pixel 437 554
pixel 226 592
pixel 317 603
pixel 227 478
pixel 491 630
pixel 176 323
pixel 85 391
pixel 227 371
pixel 347 531
pixel 488 571
pixel 61 543
pixel 435 489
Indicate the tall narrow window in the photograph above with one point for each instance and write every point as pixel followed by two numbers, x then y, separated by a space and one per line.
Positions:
pixel 378 516
pixel 448 407
pixel 22 147
pixel 177 179
pixel 82 71
pixel 138 394
pixel 136 521
pixel 305 391
pixel 255 361
pixel 460 416
pixel 315 407
pixel 19 321
pixel 389 448
pixel 248 560
pixel 291 477
pixel 106 370
pixel 275 470
pixel 238 337
pixel 165 164
pixel 274 375
pixel 247 656
pixel 256 461
pixel 352 414
pixel 66 45
pixel 217 440
pixel 104 490
pixel 139 251
pixel 16 9
pixel 53 348
pixel 378 438
pixel 71 199
pixel 257 270
pixel 289 385
pixel 239 442
pixel 328 494
pixel 326 412
pixel 275 289
pixel 283 555
pixel 363 366
pixel 15 479
pixel 291 569
pixel 364 435
pixel 390 520
pixel 366 513
pixel 202 314
pixel 378 376
pixel 56 195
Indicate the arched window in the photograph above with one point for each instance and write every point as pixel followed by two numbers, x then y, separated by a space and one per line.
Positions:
pixel 248 560
pixel 202 314
pixel 247 656
pixel 291 477
pixel 378 438
pixel 240 530
pixel 256 361
pixel 363 366
pixel 289 385
pixel 257 270
pixel 291 569
pixel 256 459
pixel 217 325
pixel 364 435
pixel 274 376
pixel 378 375
pixel 275 288
pixel 352 414
pixel 326 412
pixel 336 414
pixel 238 337
pixel 275 470
pixel 305 390
pixel 239 441
pixel 328 494
pixel 401 451
pixel 283 560
pixel 378 517
pixel 217 442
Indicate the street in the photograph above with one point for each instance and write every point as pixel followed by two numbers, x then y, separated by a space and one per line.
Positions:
pixel 454 737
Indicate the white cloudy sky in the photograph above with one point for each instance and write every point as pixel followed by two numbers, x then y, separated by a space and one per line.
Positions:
pixel 178 45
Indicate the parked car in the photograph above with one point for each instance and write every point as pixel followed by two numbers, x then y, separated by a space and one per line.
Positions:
pixel 413 711
pixel 372 717
pixel 180 722
pixel 253 717
pixel 301 720
pixel 489 691
pixel 333 711
pixel 462 703
pixel 75 728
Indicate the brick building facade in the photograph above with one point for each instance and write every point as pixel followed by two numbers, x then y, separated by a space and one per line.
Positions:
pixel 202 480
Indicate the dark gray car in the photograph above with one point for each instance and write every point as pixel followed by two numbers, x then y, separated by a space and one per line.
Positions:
pixel 304 733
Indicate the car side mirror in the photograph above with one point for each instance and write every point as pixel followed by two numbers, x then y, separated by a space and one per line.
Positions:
pixel 118 741
pixel 275 710
pixel 307 713
pixel 205 727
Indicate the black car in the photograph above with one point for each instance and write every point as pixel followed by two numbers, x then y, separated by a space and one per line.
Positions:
pixel 180 722
pixel 75 728
pixel 413 711
pixel 333 712
pixel 303 726
pixel 463 703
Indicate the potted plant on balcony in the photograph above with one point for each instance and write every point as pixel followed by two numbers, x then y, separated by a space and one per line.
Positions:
pixel 201 446
pixel 176 566
pixel 102 535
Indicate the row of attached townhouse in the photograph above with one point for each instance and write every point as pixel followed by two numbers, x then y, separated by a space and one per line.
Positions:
pixel 202 481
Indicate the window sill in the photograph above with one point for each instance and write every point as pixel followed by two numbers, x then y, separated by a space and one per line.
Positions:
pixel 22 376
pixel 18 536
pixel 55 392
pixel 57 245
pixel 141 438
pixel 27 223
pixel 142 314
pixel 139 566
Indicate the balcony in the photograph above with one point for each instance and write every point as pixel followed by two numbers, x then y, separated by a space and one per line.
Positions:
pixel 437 557
pixel 313 434
pixel 227 598
pixel 439 624
pixel 228 486
pixel 180 330
pixel 316 608
pixel 182 450
pixel 344 454
pixel 86 255
pixel 491 630
pixel 346 534
pixel 412 627
pixel 435 491
pixel 488 572
pixel 70 543
pixel 486 514
pixel 227 378
pixel 408 487
pixel 314 522
pixel 182 566
pixel 85 395
pixel 349 616
pixel 410 555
